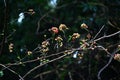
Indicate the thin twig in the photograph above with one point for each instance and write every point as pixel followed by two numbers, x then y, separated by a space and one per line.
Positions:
pixel 44 73
pixel 29 61
pixel 101 70
pixel 12 71
pixel 99 32
pixel 41 77
pixel 70 76
pixel 107 36
pixel 42 65
pixel 104 49
pixel 5 3
pixel 37 31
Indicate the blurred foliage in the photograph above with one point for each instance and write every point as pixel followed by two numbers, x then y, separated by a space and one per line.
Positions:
pixel 27 35
pixel 1 73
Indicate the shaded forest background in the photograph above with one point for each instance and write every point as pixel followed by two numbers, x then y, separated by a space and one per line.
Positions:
pixel 39 17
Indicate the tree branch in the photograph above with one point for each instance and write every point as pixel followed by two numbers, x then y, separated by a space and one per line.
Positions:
pixel 102 69
pixel 107 36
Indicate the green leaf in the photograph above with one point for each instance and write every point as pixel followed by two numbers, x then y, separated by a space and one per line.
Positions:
pixel 18 57
pixel 69 38
pixel 1 73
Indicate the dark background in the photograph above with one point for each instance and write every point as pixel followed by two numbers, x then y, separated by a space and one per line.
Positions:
pixel 95 13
